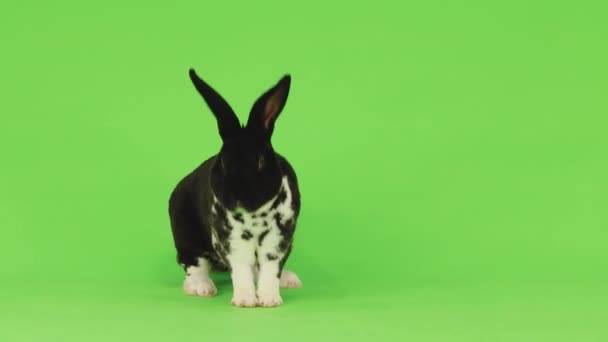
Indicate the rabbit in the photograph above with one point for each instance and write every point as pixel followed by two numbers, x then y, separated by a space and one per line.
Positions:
pixel 237 211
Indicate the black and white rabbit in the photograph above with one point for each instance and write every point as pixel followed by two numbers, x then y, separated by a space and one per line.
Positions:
pixel 238 210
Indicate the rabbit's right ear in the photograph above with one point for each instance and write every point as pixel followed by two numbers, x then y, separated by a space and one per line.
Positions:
pixel 227 121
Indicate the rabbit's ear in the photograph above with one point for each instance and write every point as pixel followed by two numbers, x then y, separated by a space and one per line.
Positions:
pixel 268 107
pixel 227 121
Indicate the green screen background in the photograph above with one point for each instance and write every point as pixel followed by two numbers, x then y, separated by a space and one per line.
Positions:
pixel 451 154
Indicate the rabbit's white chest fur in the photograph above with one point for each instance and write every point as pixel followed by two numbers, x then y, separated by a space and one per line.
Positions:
pixel 259 236
pixel 256 246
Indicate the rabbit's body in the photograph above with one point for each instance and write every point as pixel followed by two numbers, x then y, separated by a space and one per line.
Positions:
pixel 238 213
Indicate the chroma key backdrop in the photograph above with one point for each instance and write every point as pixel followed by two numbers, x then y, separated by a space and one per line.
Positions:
pixel 452 157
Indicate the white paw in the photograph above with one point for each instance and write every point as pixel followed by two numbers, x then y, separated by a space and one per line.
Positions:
pixel 195 286
pixel 290 280
pixel 268 300
pixel 244 300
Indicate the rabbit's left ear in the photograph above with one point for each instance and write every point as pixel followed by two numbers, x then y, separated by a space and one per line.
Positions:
pixel 267 108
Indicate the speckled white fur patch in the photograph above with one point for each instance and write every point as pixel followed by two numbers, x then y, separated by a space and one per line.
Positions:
pixel 243 251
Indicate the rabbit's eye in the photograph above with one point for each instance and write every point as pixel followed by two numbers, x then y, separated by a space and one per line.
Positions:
pixel 260 162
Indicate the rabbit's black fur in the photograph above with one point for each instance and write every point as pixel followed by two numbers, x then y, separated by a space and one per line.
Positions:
pixel 244 200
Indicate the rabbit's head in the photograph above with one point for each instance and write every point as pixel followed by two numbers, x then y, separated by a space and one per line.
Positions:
pixel 247 170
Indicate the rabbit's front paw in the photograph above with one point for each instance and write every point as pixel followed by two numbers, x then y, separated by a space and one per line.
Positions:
pixel 269 300
pixel 244 299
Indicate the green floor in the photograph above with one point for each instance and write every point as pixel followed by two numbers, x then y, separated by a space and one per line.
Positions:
pixel 452 159
pixel 158 313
